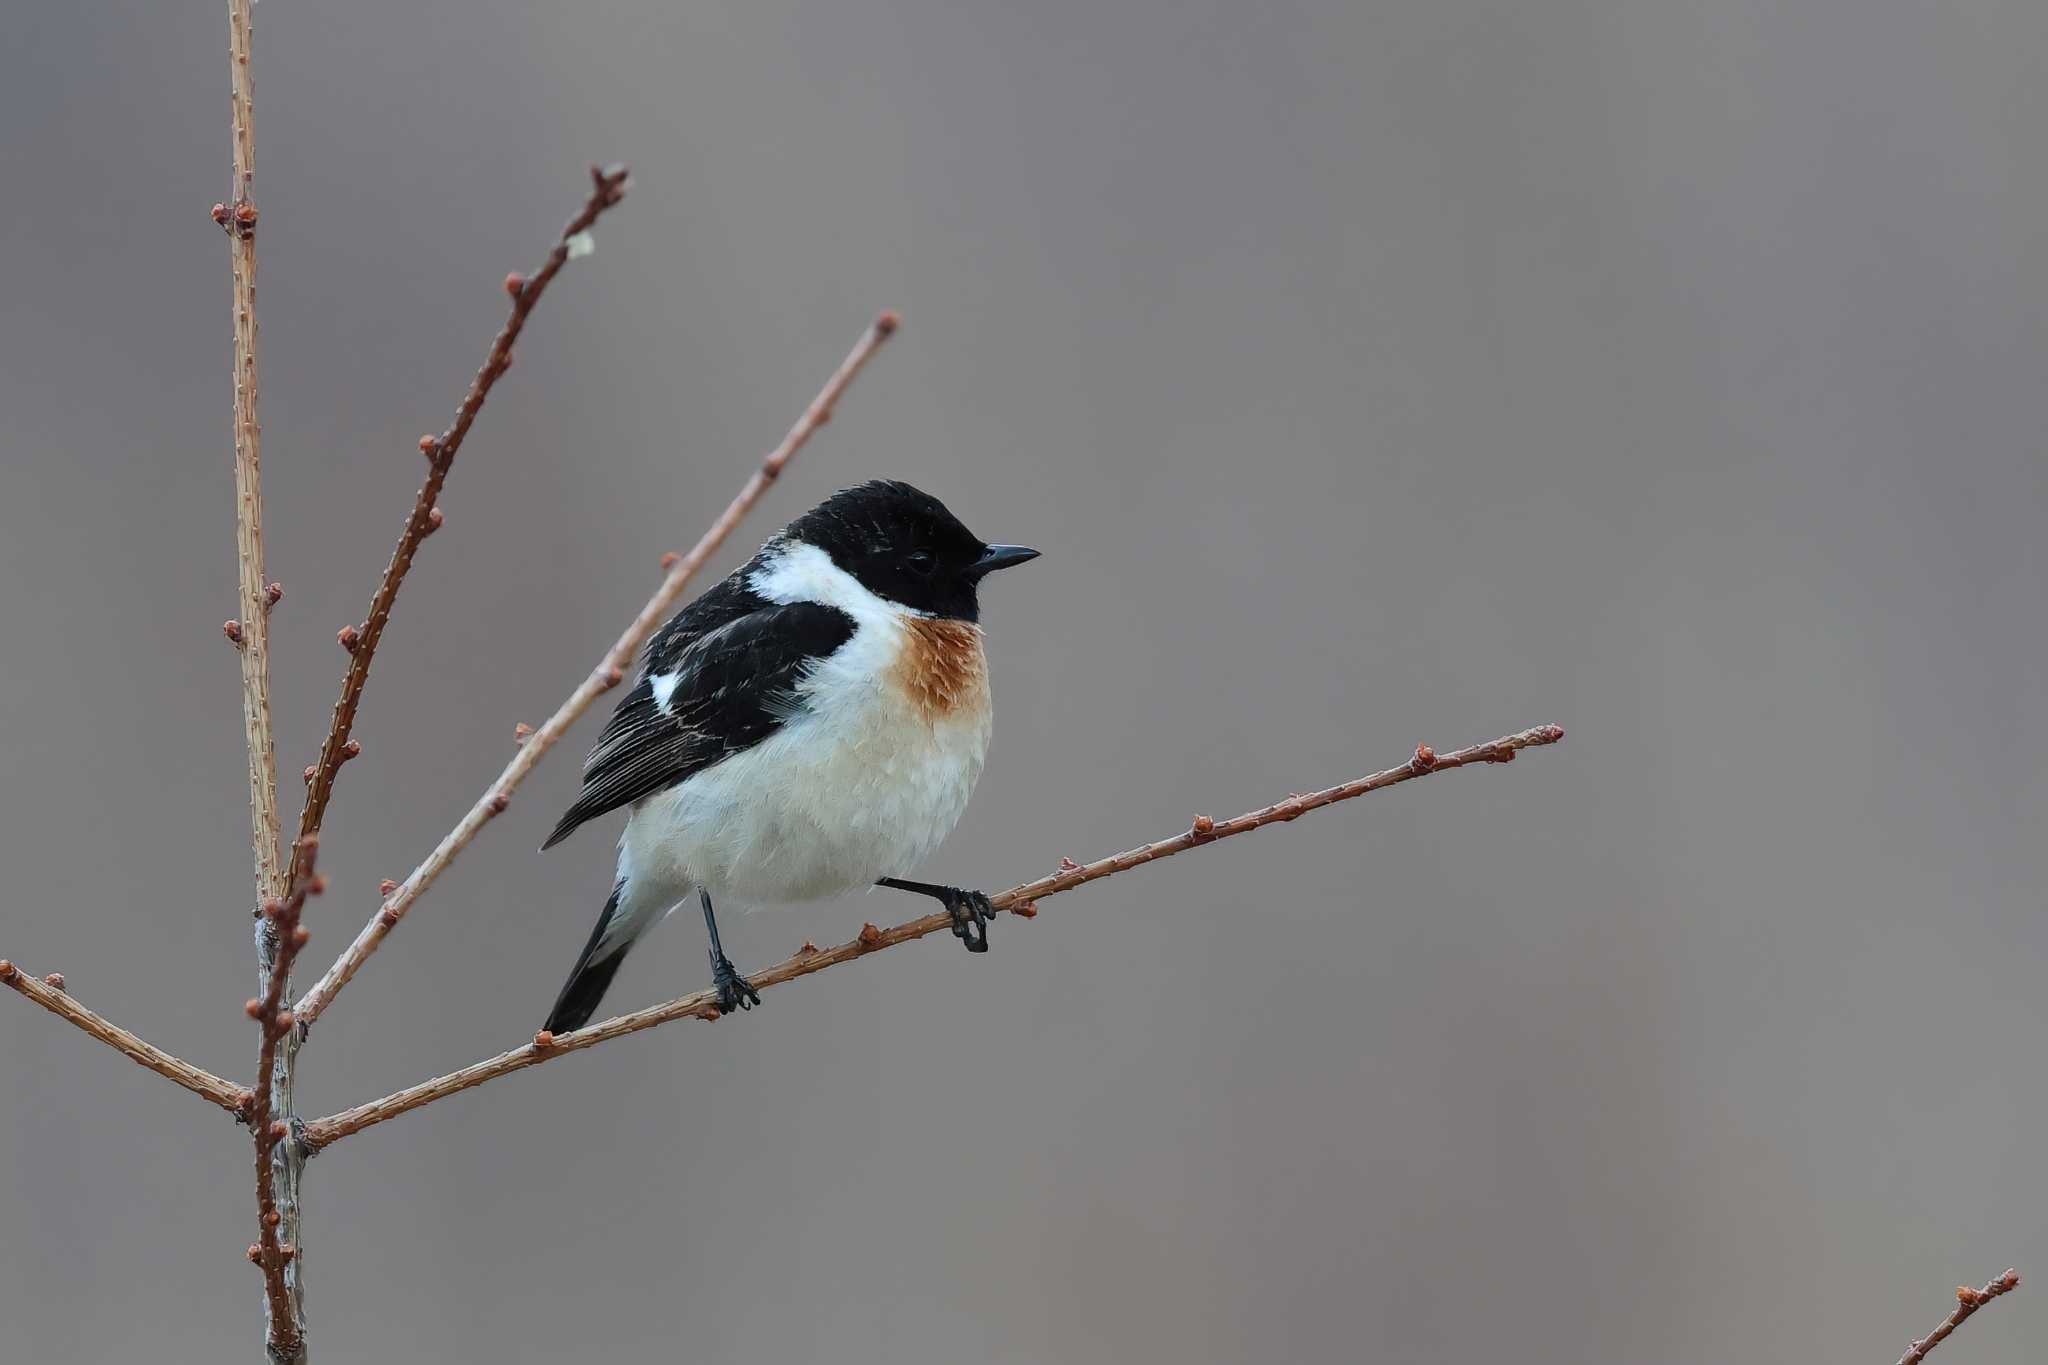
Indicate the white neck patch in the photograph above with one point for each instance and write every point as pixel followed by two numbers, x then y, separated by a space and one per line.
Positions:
pixel 805 573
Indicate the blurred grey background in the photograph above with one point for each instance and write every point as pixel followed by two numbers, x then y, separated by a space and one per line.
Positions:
pixel 1369 373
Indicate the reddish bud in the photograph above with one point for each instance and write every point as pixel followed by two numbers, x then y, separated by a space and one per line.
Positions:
pixel 220 214
pixel 55 981
pixel 1068 864
pixel 352 749
pixel 6 970
pixel 809 949
pixel 514 282
pixel 287 1250
pixel 1968 1297
pixel 348 637
pixel 669 561
pixel 1425 757
pixel 272 1219
pixel 499 802
pixel 521 732
pixel 254 1009
pixel 279 1130
pixel 318 885
pixel 1027 910
pixel 233 630
pixel 888 322
pixel 301 936
pixel 429 443
pixel 614 675
pixel 388 918
pixel 435 520
pixel 1203 827
pixel 245 213
pixel 285 1019
pixel 544 1040
pixel 273 909
pixel 255 1254
pixel 273 594
pixel 869 936
pixel 386 887
pixel 308 774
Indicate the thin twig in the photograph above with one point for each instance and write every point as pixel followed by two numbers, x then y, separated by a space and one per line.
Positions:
pixel 610 671
pixel 608 187
pixel 251 633
pixel 271 1127
pixel 52 996
pixel 1968 1301
pixel 1018 900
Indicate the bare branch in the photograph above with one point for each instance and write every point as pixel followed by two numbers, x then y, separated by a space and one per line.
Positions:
pixel 251 633
pixel 1018 900
pixel 608 187
pixel 610 671
pixel 270 1126
pixel 50 994
pixel 1968 1301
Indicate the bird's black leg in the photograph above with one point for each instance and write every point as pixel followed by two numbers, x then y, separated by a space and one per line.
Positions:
pixel 970 910
pixel 735 992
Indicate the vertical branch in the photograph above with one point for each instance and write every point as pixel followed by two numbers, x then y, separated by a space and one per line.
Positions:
pixel 278 1166
pixel 251 633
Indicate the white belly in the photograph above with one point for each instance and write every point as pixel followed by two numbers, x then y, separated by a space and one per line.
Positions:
pixel 860 788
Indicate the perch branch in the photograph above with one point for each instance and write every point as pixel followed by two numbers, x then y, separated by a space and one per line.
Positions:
pixel 50 994
pixel 1018 900
pixel 269 1125
pixel 1968 1301
pixel 608 186
pixel 610 671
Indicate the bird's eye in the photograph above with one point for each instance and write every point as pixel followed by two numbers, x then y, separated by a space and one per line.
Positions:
pixel 921 562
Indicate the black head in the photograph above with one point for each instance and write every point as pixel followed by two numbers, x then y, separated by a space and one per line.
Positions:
pixel 902 544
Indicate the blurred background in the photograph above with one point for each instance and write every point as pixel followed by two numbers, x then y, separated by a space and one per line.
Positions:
pixel 1368 373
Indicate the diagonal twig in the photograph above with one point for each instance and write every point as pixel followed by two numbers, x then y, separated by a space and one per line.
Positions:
pixel 608 187
pixel 1018 900
pixel 1968 1301
pixel 49 992
pixel 610 671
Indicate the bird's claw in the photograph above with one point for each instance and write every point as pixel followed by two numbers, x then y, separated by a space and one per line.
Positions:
pixel 971 912
pixel 735 992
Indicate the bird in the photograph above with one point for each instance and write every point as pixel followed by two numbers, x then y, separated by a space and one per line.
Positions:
pixel 813 724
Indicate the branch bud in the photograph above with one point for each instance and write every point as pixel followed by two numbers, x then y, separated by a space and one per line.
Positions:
pixel 273 594
pixel 386 887
pixel 55 981
pixel 6 970
pixel 888 322
pixel 317 884
pixel 308 774
pixel 255 1254
pixel 301 936
pixel 279 1130
pixel 1025 910
pixel 272 1219
pixel 254 1009
pixel 1202 828
pixel 429 443
pixel 498 803
pixel 388 917
pixel 514 282
pixel 521 733
pixel 435 520
pixel 348 637
pixel 669 561
pixel 233 630
pixel 869 936
pixel 220 214
pixel 809 949
pixel 1068 864
pixel 543 1040
pixel 1425 758
pixel 285 1020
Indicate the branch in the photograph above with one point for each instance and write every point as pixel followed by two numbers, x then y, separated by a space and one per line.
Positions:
pixel 273 1255
pixel 608 187
pixel 49 993
pixel 1018 900
pixel 250 633
pixel 1968 1301
pixel 610 671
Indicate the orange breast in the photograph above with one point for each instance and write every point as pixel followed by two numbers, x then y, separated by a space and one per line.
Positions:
pixel 942 669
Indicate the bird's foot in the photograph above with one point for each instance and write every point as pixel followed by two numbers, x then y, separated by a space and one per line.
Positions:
pixel 735 992
pixel 971 912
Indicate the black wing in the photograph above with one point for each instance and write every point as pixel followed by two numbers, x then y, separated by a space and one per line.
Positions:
pixel 737 661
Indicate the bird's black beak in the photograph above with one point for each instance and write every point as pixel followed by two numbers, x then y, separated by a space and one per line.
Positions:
pixel 999 557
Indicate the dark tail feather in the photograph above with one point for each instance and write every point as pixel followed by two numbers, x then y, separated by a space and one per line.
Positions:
pixel 592 975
